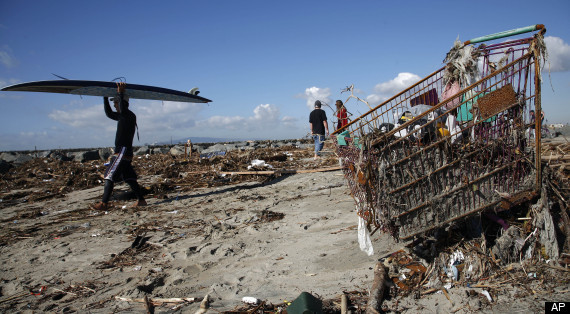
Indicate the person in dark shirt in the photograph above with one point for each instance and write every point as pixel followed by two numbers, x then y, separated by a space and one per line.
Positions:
pixel 318 122
pixel 120 167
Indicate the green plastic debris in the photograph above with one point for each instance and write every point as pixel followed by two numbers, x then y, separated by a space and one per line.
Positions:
pixel 341 138
pixel 464 111
pixel 305 303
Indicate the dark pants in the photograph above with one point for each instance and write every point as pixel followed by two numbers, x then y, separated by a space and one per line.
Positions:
pixel 120 169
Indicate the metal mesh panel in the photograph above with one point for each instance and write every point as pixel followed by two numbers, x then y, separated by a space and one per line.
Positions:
pixel 412 173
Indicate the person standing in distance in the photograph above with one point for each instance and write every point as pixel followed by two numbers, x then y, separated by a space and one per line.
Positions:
pixel 341 114
pixel 120 167
pixel 318 122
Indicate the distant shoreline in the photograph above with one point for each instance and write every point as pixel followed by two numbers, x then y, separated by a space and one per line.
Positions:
pixel 196 141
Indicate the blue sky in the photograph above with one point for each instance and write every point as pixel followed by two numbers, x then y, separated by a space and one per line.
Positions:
pixel 261 62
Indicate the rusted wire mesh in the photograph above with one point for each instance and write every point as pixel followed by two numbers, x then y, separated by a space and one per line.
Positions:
pixel 428 157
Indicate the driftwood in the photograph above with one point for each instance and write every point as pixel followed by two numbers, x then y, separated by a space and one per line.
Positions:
pixel 204 305
pixel 430 290
pixel 566 219
pixel 262 172
pixel 279 172
pixel 554 157
pixel 447 296
pixel 557 267
pixel 343 304
pixel 15 296
pixel 149 306
pixel 377 291
pixel 158 301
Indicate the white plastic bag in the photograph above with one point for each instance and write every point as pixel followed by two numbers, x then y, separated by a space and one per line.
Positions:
pixel 453 128
pixel 257 163
pixel 364 237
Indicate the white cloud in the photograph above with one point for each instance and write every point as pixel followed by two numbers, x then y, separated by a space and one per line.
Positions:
pixel 266 113
pixel 158 116
pixel 399 83
pixel 385 90
pixel 6 57
pixel 289 122
pixel 156 120
pixel 558 54
pixel 314 93
pixel 153 115
pixel 265 117
pixel 90 117
pixel 234 123
pixel 375 99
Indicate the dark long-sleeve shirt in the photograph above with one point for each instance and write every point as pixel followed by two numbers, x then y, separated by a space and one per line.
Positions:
pixel 126 125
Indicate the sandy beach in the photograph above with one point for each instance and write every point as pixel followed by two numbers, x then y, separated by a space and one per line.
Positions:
pixel 269 238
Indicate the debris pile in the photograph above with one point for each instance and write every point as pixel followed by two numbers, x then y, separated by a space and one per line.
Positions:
pixel 456 165
pixel 462 178
pixel 434 155
pixel 518 262
pixel 43 178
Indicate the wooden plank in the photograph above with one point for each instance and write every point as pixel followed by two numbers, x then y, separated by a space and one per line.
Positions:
pixel 319 170
pixel 555 157
pixel 248 172
pixel 285 171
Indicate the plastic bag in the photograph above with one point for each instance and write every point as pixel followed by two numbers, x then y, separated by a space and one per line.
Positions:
pixel 450 90
pixel 364 237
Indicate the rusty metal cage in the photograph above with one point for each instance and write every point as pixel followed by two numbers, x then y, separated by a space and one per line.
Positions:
pixel 432 155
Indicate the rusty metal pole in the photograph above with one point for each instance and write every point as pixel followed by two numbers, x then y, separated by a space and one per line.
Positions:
pixel 538 119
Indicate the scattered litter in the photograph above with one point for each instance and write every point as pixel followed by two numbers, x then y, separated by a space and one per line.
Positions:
pixel 258 164
pixel 39 291
pixel 486 293
pixel 51 177
pixel 250 300
pixel 364 237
